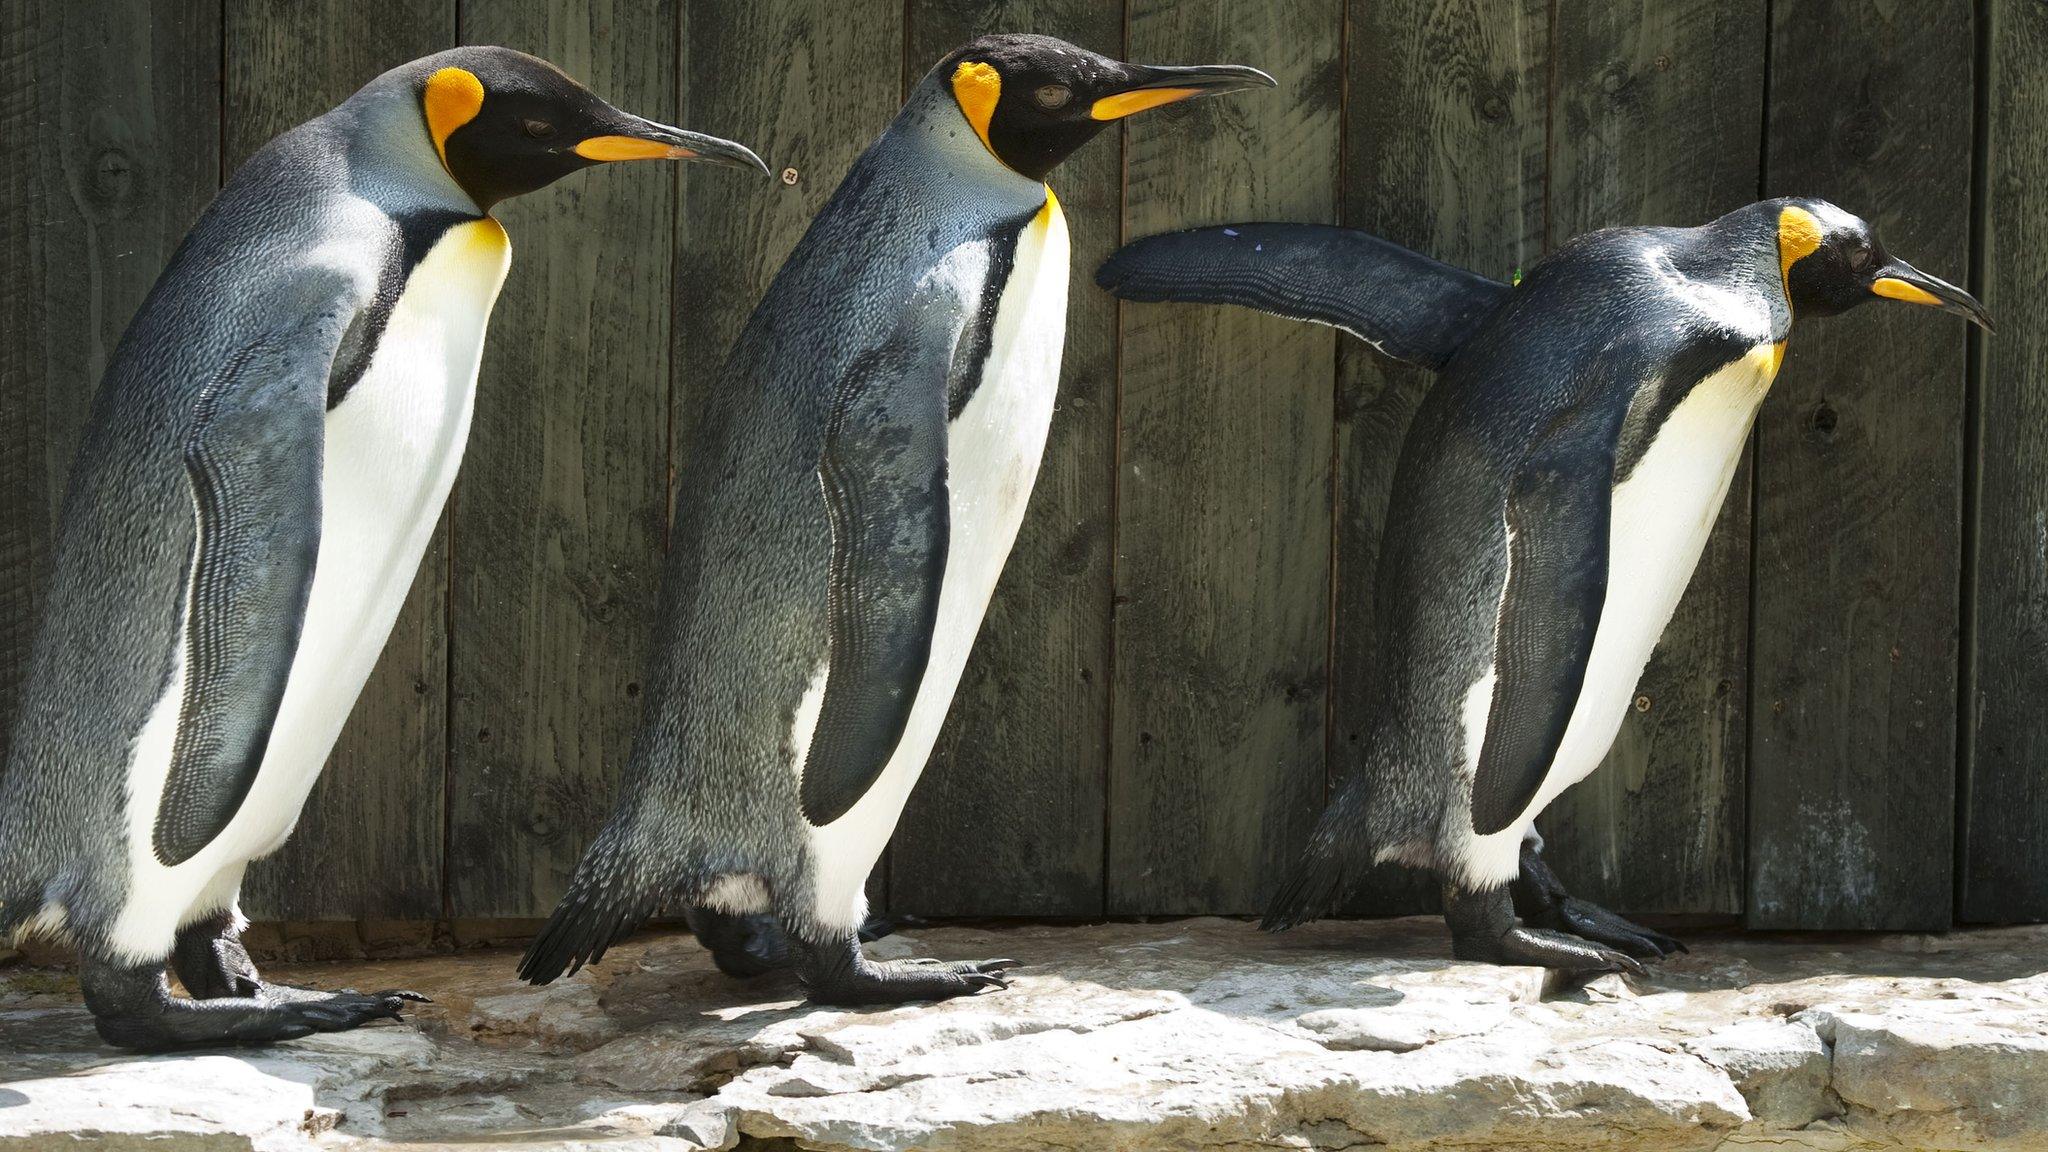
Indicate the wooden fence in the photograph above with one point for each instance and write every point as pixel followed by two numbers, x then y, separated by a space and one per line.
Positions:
pixel 1844 727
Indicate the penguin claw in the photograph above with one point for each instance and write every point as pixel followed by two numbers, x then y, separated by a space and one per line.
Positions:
pixel 1623 962
pixel 1592 922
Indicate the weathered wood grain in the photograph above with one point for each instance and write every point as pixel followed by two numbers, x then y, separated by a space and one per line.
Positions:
pixel 2004 853
pixel 1223 540
pixel 1170 759
pixel 1853 724
pixel 369 843
pixel 1450 162
pixel 808 85
pixel 1658 118
pixel 109 117
pixel 559 521
pixel 1008 819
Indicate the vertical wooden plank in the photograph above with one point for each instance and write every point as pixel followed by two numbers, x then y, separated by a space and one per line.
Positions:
pixel 1223 545
pixel 110 117
pixel 560 522
pixel 370 841
pixel 1008 817
pixel 1444 153
pixel 2005 814
pixel 1658 118
pixel 1851 794
pixel 807 84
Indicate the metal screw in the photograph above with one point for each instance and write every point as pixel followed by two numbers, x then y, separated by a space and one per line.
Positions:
pixel 789 176
pixel 1663 63
pixel 1642 703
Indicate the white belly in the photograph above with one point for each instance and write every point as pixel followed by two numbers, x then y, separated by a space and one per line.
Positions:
pixel 392 450
pixel 1662 516
pixel 993 451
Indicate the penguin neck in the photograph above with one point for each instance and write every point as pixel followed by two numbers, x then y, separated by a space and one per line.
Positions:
pixel 932 129
pixel 391 159
pixel 1741 249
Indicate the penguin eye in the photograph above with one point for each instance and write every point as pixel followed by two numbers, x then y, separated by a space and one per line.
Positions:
pixel 1859 256
pixel 1052 96
pixel 539 129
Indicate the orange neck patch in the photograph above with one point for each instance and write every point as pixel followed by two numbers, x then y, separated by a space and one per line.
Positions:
pixel 1798 238
pixel 976 88
pixel 452 98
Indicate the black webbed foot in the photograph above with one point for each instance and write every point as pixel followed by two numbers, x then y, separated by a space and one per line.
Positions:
pixel 271 993
pixel 133 1008
pixel 745 946
pixel 1483 928
pixel 1541 901
pixel 741 946
pixel 840 974
pixel 212 964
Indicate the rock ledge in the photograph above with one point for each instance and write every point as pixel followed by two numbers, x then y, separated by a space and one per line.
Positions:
pixel 1197 1034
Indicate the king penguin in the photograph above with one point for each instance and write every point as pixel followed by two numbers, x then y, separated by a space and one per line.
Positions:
pixel 265 461
pixel 856 477
pixel 1550 502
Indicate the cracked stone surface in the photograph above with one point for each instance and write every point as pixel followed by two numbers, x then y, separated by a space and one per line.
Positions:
pixel 1194 1034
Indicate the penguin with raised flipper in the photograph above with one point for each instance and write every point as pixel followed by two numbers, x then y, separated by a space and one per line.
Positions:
pixel 855 478
pixel 264 465
pixel 1550 502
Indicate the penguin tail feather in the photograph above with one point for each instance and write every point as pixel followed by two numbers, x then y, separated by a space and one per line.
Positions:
pixel 1337 857
pixel 606 902
pixel 1307 895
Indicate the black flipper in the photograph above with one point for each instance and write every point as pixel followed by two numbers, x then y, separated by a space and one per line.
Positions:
pixel 883 473
pixel 1403 303
pixel 1557 514
pixel 253 460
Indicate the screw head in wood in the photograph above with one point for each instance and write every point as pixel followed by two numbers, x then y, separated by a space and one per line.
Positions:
pixel 789 176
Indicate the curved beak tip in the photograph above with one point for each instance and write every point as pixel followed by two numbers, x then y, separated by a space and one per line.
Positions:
pixel 725 153
pixel 744 157
pixel 1902 281
pixel 639 139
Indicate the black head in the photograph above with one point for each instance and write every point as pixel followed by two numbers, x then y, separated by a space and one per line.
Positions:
pixel 1033 99
pixel 1831 261
pixel 506 123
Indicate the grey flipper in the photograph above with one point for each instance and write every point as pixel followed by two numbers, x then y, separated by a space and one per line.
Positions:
pixel 253 460
pixel 1403 303
pixel 1558 513
pixel 883 472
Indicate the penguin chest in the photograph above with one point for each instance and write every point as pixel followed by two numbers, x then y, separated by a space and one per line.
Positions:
pixel 1661 515
pixel 389 457
pixel 394 444
pixel 994 446
pixel 392 448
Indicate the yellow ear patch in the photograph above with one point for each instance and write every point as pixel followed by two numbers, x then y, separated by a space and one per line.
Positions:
pixel 1130 103
pixel 1798 238
pixel 976 88
pixel 452 98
